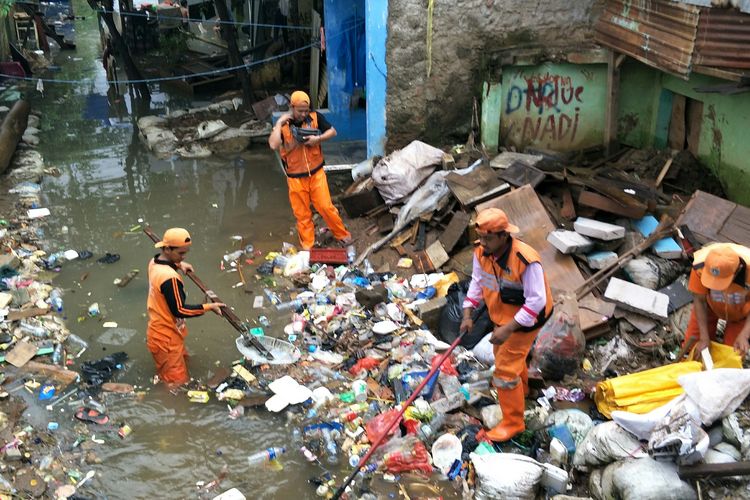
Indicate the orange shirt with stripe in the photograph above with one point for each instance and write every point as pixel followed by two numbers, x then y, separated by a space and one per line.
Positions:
pixel 732 304
pixel 166 306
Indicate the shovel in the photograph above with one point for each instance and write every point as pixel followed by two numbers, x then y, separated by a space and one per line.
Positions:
pixel 226 312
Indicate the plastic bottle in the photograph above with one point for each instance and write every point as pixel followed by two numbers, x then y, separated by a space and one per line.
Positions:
pixel 272 296
pixel 58 355
pixel 81 344
pixel 35 330
pixel 351 254
pixel 429 430
pixel 332 449
pixel 55 300
pixel 292 304
pixel 265 456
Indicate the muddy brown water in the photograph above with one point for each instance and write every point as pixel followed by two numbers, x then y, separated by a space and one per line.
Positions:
pixel 108 182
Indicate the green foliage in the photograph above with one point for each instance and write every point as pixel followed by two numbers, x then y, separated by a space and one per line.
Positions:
pixel 173 44
pixel 5 6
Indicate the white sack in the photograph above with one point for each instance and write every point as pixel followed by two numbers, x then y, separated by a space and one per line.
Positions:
pixel 399 173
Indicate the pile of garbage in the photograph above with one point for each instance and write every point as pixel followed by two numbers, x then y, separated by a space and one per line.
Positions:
pixel 613 402
pixel 199 132
pixel 50 449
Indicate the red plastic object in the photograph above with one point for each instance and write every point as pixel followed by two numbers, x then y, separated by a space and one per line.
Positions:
pixel 328 256
pixel 15 69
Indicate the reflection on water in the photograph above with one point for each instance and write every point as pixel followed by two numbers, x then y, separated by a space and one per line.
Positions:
pixel 108 182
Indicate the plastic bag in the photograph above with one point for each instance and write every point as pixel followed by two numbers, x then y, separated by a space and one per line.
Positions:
pixel 507 476
pixel 406 454
pixel 399 173
pixel 102 370
pixel 645 479
pixel 717 393
pixel 379 425
pixel 607 443
pixel 560 344
pixel 453 313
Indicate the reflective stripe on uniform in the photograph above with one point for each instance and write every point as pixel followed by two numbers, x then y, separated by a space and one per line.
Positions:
pixel 505 385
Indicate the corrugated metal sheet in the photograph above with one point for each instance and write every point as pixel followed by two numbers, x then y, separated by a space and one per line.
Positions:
pixel 723 39
pixel 660 33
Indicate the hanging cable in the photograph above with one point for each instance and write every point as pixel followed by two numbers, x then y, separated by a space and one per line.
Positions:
pixel 157 16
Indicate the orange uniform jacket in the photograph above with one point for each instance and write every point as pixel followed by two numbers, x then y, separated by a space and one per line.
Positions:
pixel 301 161
pixel 166 307
pixel 501 284
pixel 732 304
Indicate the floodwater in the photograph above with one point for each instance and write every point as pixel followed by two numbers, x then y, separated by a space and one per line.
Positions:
pixel 108 182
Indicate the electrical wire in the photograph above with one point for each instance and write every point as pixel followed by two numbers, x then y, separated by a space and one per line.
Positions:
pixel 197 20
pixel 180 77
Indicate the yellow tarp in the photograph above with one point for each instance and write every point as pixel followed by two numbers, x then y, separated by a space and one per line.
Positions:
pixel 644 391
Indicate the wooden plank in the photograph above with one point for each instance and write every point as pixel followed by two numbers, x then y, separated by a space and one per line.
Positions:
pixel 470 189
pixel 714 470
pixel 568 210
pixel 56 372
pixel 437 254
pixel 594 312
pixel 694 121
pixel 525 210
pixel 26 313
pixel 519 174
pixel 737 226
pixel 454 231
pixel 595 200
pixel 676 137
pixel 705 215
pixel 21 353
pixel 610 112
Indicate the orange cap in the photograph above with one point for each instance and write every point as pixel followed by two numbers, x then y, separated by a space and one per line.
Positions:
pixel 175 237
pixel 719 268
pixel 494 220
pixel 298 97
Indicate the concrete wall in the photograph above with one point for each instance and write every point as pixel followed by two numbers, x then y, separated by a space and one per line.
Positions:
pixel 723 144
pixel 465 36
pixel 553 106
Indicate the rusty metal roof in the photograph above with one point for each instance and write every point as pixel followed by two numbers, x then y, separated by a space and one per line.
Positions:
pixel 723 39
pixel 659 33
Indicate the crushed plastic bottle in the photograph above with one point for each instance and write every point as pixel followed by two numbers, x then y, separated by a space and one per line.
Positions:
pixel 351 254
pixel 265 456
pixel 292 304
pixel 332 449
pixel 272 296
pixel 58 355
pixel 34 330
pixel 80 344
pixel 55 300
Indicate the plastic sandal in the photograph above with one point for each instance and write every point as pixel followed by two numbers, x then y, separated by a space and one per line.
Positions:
pixel 90 415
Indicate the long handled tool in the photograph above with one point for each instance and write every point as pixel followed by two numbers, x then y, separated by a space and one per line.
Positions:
pixel 394 423
pixel 225 311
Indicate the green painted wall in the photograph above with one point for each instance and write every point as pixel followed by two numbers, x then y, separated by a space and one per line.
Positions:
pixel 724 146
pixel 553 106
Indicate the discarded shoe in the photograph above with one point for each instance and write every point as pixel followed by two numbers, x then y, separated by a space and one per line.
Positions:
pixel 109 258
pixel 90 415
pixel 85 254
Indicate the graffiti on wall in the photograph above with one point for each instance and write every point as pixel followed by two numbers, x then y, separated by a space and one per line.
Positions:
pixel 558 106
pixel 551 105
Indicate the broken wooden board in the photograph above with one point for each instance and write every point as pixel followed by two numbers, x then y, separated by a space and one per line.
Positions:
pixel 519 174
pixel 476 186
pixel 26 313
pixel 595 200
pixel 525 210
pixel 594 313
pixel 711 218
pixel 437 254
pixel 58 373
pixel 454 231
pixel 640 322
pixel 21 353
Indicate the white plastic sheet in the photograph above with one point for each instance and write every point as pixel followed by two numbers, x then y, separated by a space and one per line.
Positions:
pixel 399 173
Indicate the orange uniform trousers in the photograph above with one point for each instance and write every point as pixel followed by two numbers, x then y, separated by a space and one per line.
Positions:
pixel 511 376
pixel 170 356
pixel 314 189
pixel 731 331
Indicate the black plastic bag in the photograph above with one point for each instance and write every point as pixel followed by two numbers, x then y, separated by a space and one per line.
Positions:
pixel 102 370
pixel 453 313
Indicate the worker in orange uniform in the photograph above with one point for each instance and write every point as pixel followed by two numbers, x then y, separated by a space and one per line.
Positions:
pixel 507 273
pixel 167 310
pixel 303 165
pixel 720 283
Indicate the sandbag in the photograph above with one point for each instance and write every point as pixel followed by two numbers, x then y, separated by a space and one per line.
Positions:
pixel 453 312
pixel 399 173
pixel 647 479
pixel 506 475
pixel 579 424
pixel 653 272
pixel 717 393
pixel 643 391
pixel 606 443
